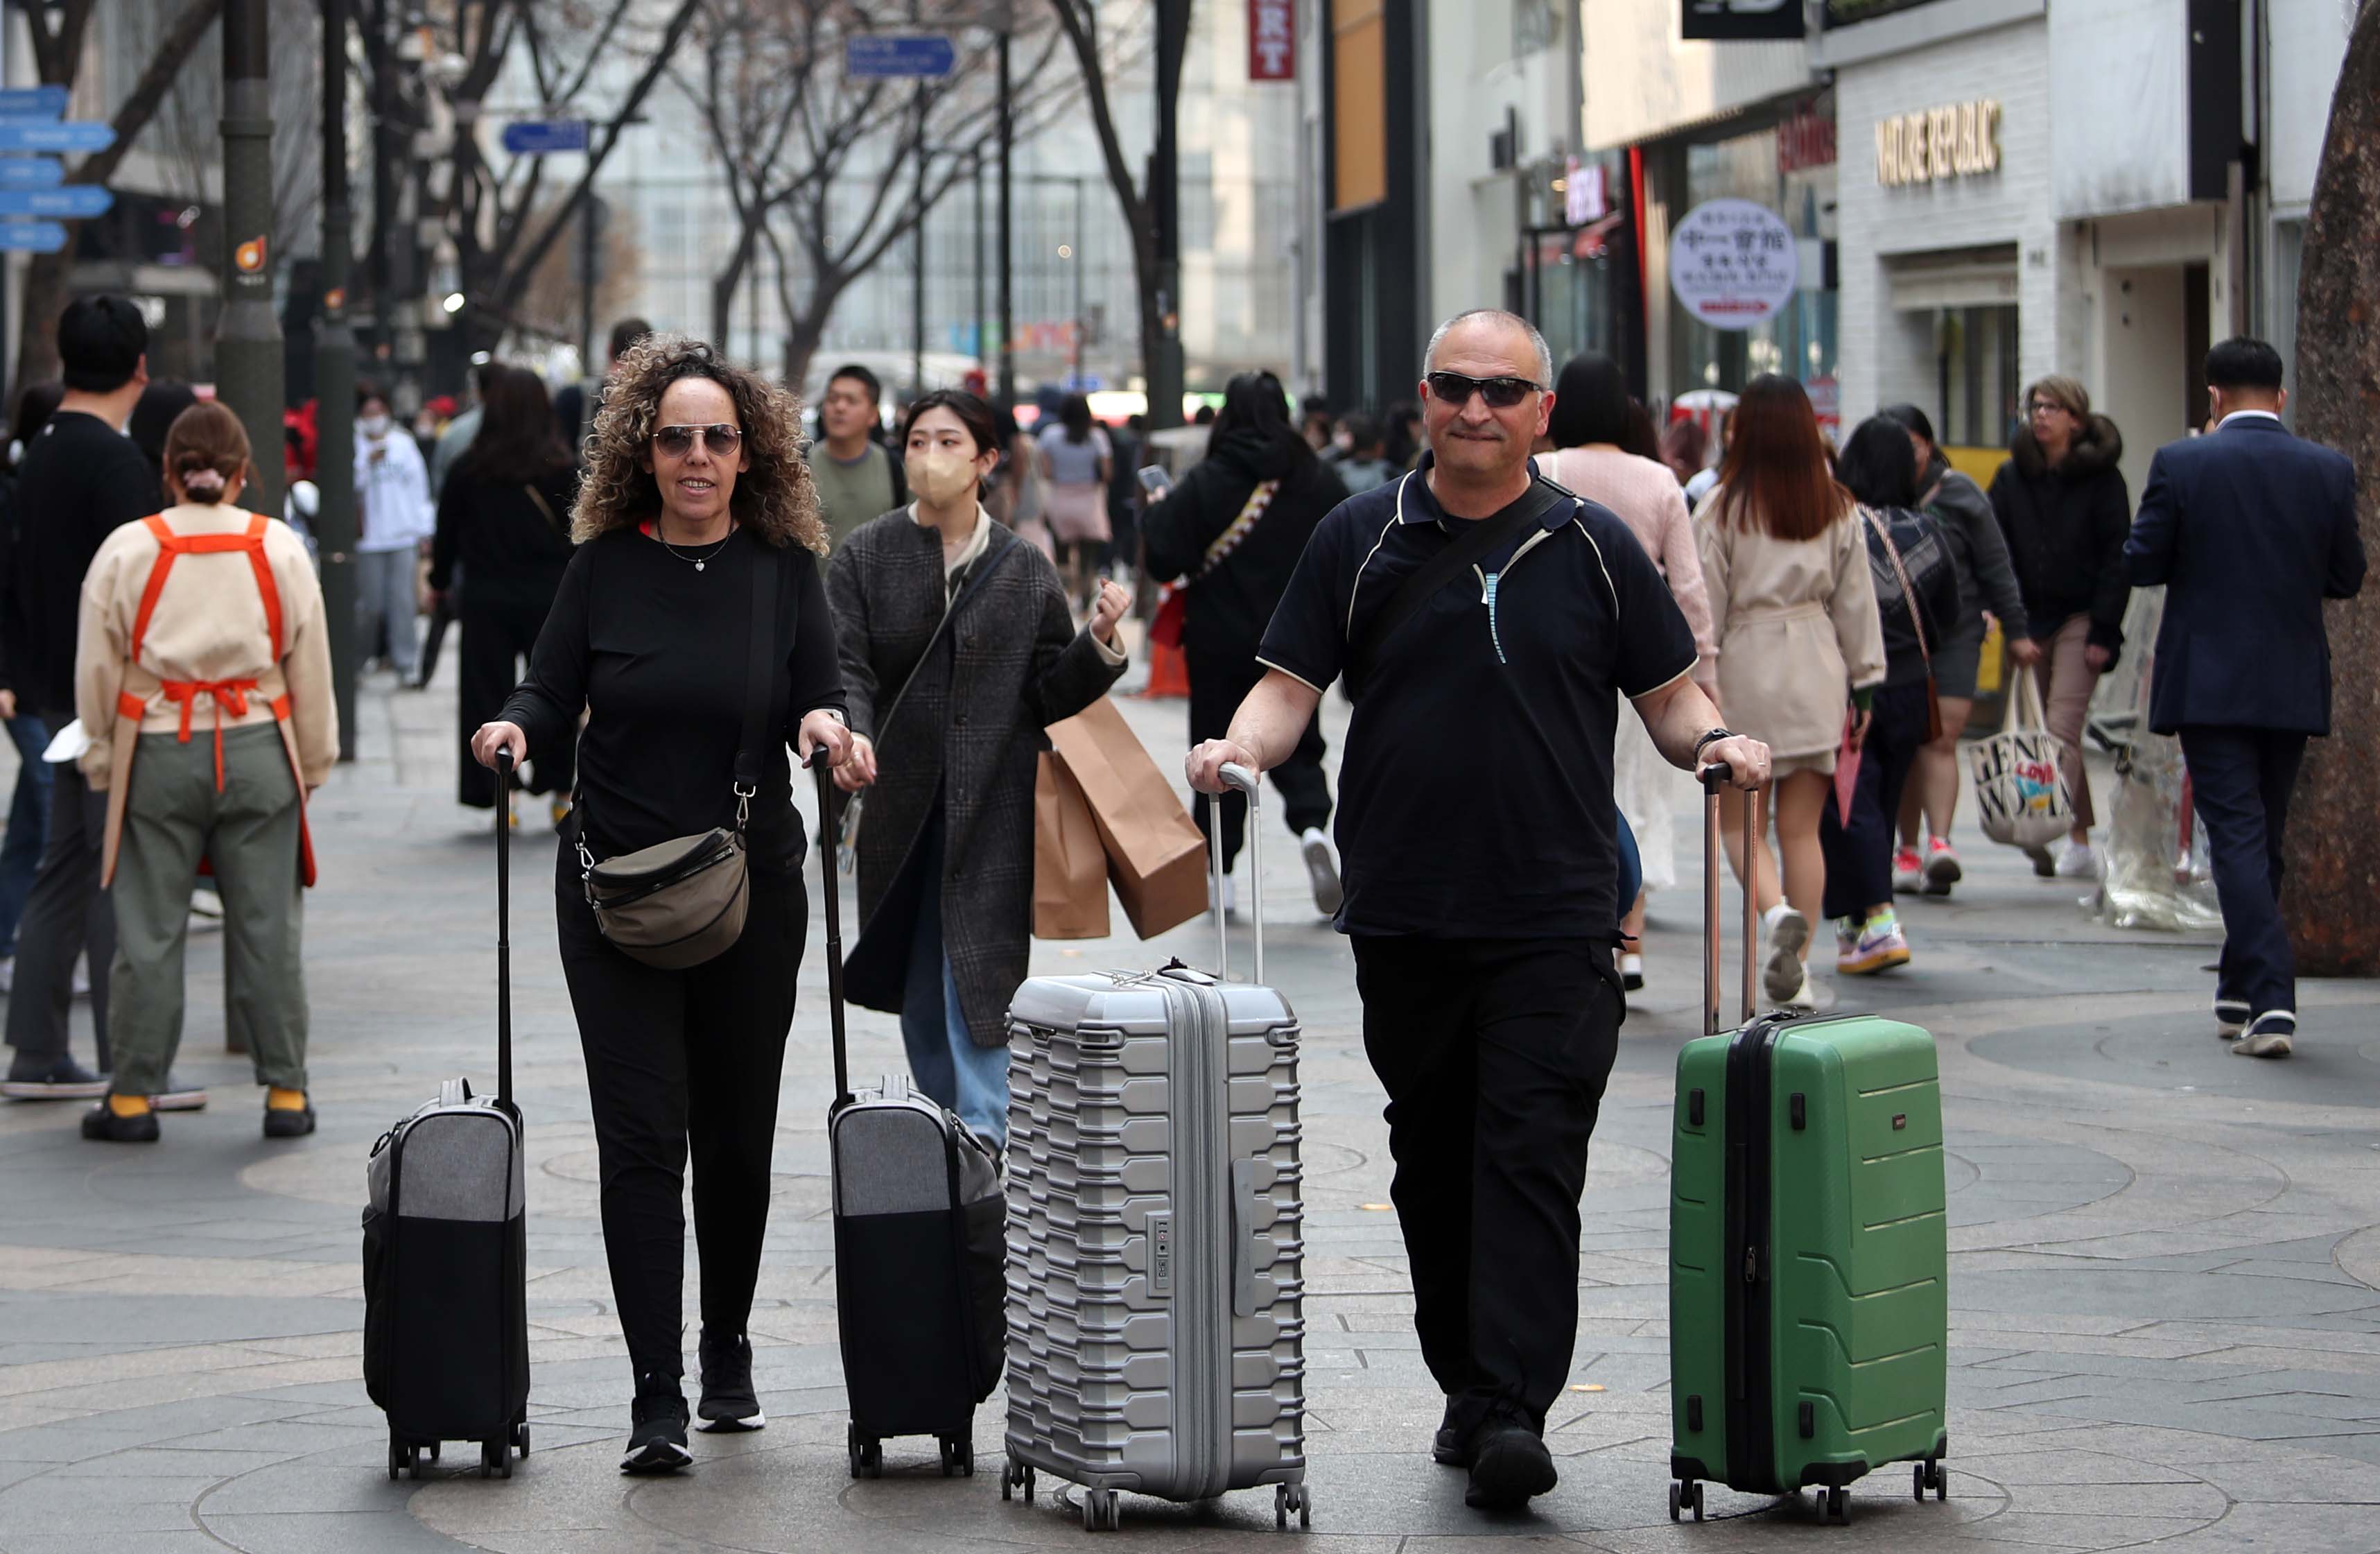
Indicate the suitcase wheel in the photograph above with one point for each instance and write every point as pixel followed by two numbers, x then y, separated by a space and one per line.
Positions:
pixel 433 1450
pixel 1102 1510
pixel 1686 1494
pixel 1930 1476
pixel 1837 1505
pixel 1015 1477
pixel 520 1436
pixel 959 1457
pixel 1287 1498
pixel 496 1458
pixel 867 1455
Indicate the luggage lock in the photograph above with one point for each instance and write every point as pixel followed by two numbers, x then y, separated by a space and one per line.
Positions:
pixel 1800 1108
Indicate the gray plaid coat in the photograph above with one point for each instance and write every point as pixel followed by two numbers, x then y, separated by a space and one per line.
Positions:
pixel 1010 664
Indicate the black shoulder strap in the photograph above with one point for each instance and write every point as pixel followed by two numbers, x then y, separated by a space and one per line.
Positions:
pixel 1477 542
pixel 759 674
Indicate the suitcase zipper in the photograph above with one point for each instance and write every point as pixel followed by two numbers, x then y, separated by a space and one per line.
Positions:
pixel 1751 1435
pixel 1199 1236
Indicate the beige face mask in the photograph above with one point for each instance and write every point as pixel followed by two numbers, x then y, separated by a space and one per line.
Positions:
pixel 944 477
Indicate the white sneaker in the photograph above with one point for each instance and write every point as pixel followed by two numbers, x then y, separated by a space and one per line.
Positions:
pixel 2269 1036
pixel 81 980
pixel 1789 933
pixel 2078 862
pixel 1805 997
pixel 1321 872
pixel 2230 1018
pixel 1631 972
pixel 1231 894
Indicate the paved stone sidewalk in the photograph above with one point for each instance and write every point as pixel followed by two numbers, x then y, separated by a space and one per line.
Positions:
pixel 2165 1283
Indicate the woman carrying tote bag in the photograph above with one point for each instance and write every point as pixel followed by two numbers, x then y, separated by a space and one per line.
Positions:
pixel 696 531
pixel 957 650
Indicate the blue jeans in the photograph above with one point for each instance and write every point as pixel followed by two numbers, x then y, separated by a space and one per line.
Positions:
pixel 29 823
pixel 944 1061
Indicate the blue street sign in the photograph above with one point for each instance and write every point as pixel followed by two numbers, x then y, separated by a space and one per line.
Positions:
pixel 35 101
pixel 32 172
pixel 538 137
pixel 878 54
pixel 33 236
pixel 74 201
pixel 23 133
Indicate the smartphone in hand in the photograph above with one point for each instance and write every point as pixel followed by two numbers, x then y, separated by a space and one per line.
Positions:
pixel 1155 480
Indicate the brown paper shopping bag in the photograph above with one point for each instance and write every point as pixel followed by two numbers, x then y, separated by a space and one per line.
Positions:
pixel 1070 865
pixel 1156 857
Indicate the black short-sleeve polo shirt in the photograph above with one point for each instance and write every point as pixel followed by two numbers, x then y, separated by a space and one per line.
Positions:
pixel 1475 791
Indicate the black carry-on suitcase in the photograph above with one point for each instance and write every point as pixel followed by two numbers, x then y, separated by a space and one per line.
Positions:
pixel 919 1249
pixel 445 1253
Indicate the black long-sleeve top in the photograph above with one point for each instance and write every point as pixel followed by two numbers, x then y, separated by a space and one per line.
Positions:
pixel 654 651
pixel 81 479
pixel 510 552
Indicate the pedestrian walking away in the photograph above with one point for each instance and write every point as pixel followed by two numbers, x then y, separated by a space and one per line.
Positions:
pixel 1916 586
pixel 79 481
pixel 2064 510
pixel 1593 420
pixel 958 648
pixel 204 675
pixel 1081 461
pixel 696 508
pixel 1800 648
pixel 1477 840
pixel 394 520
pixel 1234 527
pixel 1927 862
pixel 502 546
pixel 2248 528
pixel 29 804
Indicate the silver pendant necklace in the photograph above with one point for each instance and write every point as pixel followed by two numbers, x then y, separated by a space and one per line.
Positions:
pixel 698 561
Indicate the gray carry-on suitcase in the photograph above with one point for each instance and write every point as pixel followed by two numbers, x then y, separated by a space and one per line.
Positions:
pixel 917 1249
pixel 1156 1320
pixel 445 1255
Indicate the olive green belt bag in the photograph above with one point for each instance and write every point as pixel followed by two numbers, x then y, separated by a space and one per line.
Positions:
pixel 680 903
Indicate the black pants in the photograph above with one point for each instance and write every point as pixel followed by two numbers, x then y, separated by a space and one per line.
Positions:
pixel 497 634
pixel 1219 683
pixel 677 1059
pixel 65 914
pixel 2241 780
pixel 1859 856
pixel 1494 1053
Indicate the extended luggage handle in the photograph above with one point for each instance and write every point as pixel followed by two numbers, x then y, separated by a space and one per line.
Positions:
pixel 503 928
pixel 1715 777
pixel 1239 777
pixel 830 887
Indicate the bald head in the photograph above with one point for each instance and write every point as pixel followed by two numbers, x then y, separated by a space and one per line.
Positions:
pixel 1485 331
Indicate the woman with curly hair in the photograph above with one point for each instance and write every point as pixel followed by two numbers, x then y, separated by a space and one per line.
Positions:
pixel 694 481
pixel 958 649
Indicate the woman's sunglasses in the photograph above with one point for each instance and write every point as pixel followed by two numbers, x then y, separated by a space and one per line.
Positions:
pixel 1501 393
pixel 678 441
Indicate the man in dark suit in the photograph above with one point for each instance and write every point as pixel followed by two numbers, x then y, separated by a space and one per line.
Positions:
pixel 2250 529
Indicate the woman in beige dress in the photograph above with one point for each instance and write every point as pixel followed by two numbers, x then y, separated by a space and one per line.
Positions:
pixel 1590 426
pixel 1800 647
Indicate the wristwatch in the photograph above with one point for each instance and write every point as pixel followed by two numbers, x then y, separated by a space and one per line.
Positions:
pixel 1709 737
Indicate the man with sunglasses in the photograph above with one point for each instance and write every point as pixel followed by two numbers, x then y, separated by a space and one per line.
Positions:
pixel 1488 622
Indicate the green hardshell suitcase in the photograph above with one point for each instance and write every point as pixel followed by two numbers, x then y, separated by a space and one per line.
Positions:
pixel 1809 1310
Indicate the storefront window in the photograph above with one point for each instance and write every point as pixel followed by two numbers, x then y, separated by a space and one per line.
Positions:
pixel 1977 376
pixel 1800 340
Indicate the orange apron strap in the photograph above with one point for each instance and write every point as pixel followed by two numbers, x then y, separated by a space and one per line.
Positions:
pixel 264 583
pixel 166 551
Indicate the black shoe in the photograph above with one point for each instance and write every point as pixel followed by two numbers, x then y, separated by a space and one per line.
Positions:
pixel 280 1122
pixel 728 1401
pixel 657 1428
pixel 1509 1465
pixel 1451 1446
pixel 59 1078
pixel 102 1125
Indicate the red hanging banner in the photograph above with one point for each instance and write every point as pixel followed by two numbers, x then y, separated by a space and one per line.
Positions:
pixel 1272 39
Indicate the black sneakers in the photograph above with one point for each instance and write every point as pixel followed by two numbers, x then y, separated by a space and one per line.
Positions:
pixel 60 1078
pixel 1451 1446
pixel 102 1125
pixel 286 1122
pixel 1509 1465
pixel 728 1400
pixel 657 1428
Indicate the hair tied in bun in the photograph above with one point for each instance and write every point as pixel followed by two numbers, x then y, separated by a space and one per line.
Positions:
pixel 203 481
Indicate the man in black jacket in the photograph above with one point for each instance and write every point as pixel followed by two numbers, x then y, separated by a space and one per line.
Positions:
pixel 2250 530
pixel 81 479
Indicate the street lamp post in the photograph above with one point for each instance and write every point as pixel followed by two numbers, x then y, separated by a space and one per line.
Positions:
pixel 334 386
pixel 1007 233
pixel 248 333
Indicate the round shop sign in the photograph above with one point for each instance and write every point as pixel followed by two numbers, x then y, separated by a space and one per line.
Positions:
pixel 1733 263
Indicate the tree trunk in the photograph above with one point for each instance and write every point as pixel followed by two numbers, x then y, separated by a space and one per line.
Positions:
pixel 724 287
pixel 2333 847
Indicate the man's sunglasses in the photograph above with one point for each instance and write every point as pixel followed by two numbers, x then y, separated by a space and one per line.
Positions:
pixel 1501 393
pixel 678 441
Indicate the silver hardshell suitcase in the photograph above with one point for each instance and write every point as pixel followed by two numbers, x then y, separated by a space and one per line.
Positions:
pixel 1156 1325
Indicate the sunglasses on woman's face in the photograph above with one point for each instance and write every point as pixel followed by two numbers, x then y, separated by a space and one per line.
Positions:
pixel 1501 393
pixel 678 441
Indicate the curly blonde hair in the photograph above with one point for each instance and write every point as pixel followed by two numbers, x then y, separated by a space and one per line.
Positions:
pixel 774 498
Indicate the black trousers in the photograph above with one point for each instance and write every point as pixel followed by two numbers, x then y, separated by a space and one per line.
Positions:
pixel 65 914
pixel 2241 780
pixel 1494 1053
pixel 1859 856
pixel 681 1062
pixel 497 636
pixel 1219 683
